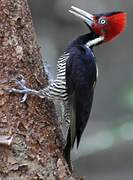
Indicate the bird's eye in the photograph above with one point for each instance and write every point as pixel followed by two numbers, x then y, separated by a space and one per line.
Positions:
pixel 102 21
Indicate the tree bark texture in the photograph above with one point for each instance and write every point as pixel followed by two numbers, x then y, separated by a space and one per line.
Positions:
pixel 30 137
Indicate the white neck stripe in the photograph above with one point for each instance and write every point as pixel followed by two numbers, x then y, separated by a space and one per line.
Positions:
pixel 94 41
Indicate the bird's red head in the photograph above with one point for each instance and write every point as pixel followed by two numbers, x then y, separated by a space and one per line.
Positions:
pixel 108 25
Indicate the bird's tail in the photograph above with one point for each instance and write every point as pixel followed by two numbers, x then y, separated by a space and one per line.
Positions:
pixel 67 151
pixel 72 130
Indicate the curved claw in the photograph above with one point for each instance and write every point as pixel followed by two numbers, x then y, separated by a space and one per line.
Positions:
pixel 24 98
pixel 21 91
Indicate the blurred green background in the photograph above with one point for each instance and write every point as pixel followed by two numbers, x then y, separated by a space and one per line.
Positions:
pixel 105 152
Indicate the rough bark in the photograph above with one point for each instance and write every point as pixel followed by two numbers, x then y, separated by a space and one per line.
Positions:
pixel 34 145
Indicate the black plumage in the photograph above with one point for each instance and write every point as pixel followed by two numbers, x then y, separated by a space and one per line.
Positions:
pixel 81 76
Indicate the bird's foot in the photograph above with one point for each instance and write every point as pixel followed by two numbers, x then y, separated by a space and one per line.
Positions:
pixel 25 90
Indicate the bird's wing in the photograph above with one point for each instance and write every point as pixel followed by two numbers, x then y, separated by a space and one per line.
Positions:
pixel 80 80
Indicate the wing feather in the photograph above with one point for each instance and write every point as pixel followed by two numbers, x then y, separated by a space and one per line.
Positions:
pixel 80 80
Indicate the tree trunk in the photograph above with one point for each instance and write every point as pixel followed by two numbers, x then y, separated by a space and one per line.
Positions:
pixel 30 137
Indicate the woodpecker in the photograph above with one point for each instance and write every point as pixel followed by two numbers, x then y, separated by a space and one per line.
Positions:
pixel 77 72
pixel 81 68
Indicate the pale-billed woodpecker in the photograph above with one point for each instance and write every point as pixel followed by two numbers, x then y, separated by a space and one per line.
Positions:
pixel 77 72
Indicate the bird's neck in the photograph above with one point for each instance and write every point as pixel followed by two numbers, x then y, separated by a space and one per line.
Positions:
pixel 90 40
pixel 95 42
